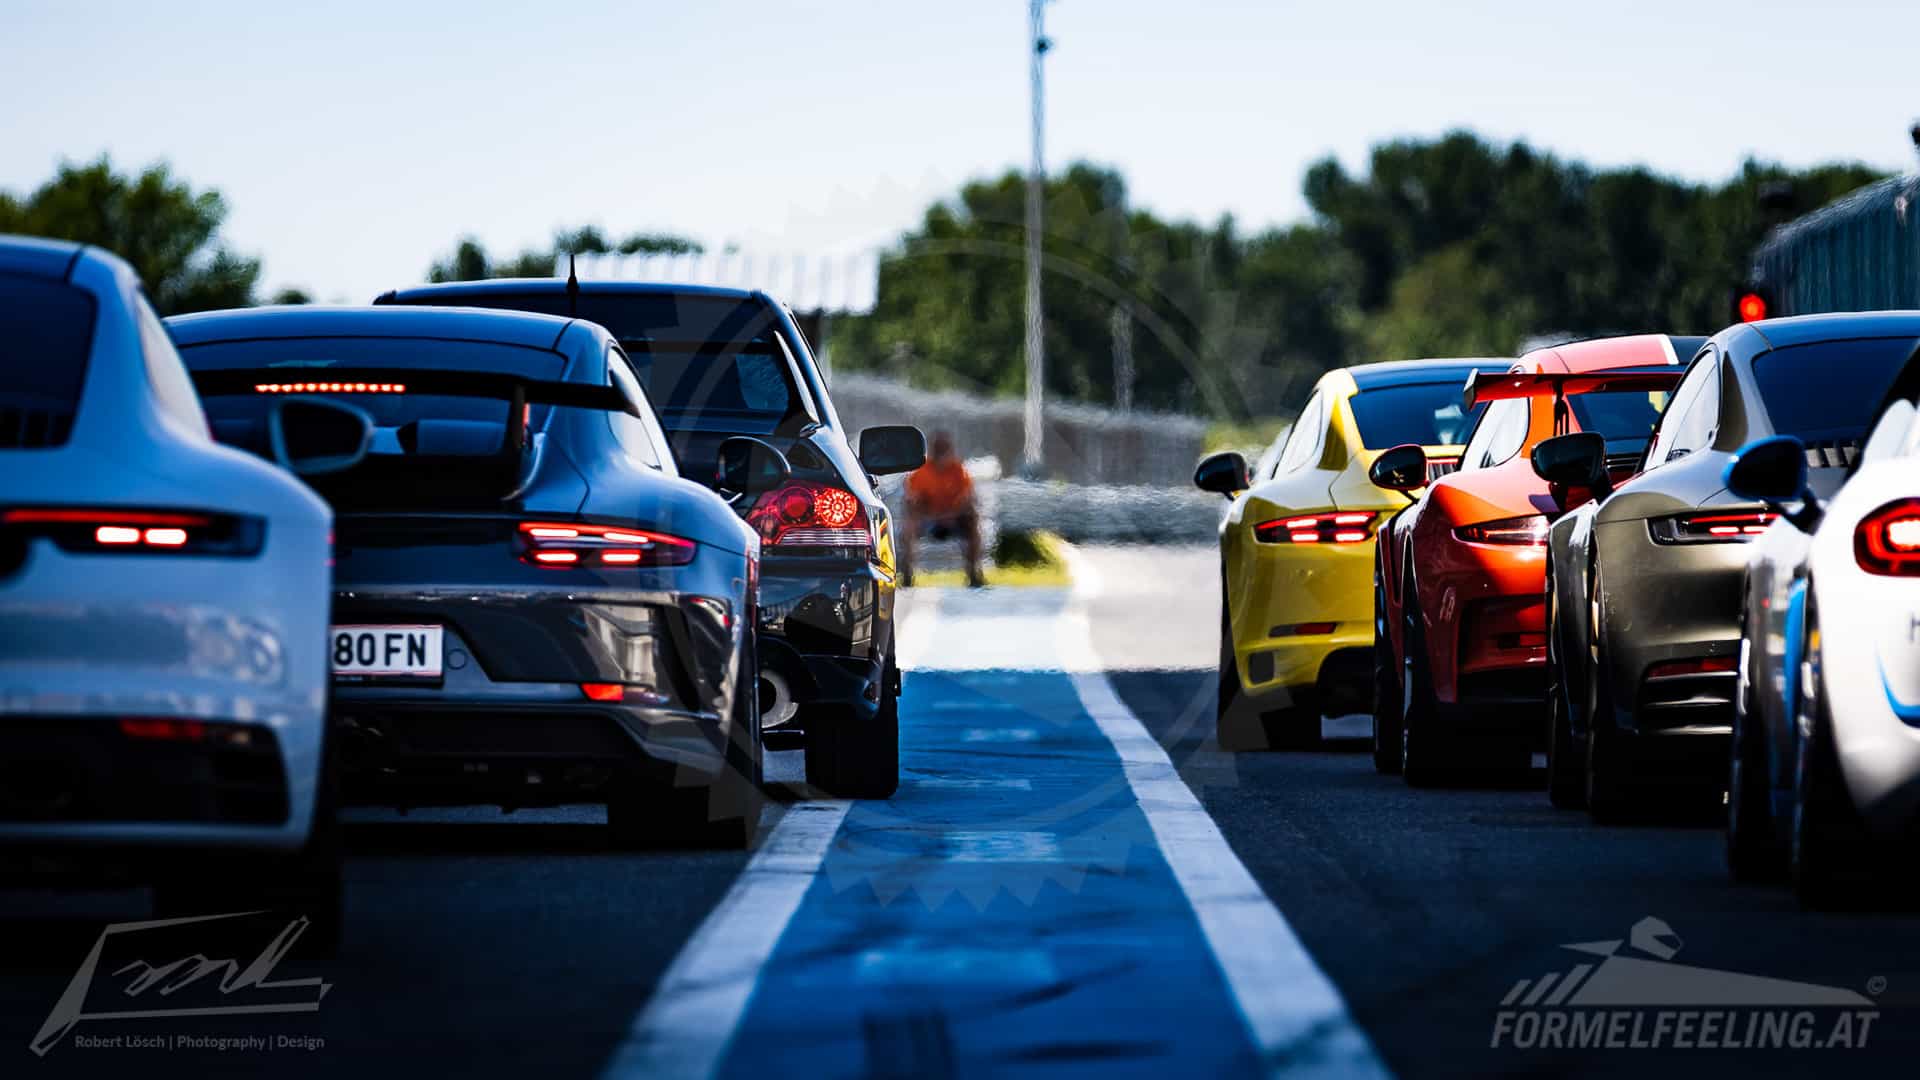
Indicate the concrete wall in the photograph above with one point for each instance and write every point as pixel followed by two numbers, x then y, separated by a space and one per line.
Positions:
pixel 1084 444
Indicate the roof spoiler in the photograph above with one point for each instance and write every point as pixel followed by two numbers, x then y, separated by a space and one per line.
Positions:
pixel 518 390
pixel 1485 386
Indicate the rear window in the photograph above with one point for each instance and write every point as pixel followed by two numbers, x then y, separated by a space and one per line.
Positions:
pixel 240 419
pixel 1426 414
pixel 1625 418
pixel 707 363
pixel 1827 391
pixel 46 332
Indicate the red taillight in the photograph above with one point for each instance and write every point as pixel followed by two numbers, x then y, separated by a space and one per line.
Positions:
pixel 1529 531
pixel 577 543
pixel 1346 527
pixel 1305 629
pixel 1887 541
pixel 603 691
pixel 163 729
pixel 1710 528
pixel 329 388
pixel 802 513
pixel 110 529
pixel 1704 665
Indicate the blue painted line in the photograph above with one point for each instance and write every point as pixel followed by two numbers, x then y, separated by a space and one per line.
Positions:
pixel 995 928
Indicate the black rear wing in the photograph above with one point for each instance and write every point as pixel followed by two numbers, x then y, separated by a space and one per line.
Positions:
pixel 518 390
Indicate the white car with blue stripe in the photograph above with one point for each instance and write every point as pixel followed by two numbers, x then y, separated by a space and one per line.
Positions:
pixel 1825 783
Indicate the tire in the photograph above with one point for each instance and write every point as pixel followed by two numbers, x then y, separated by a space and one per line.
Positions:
pixel 1236 723
pixel 1420 762
pixel 1566 766
pixel 1830 855
pixel 649 812
pixel 1754 850
pixel 1386 688
pixel 850 756
pixel 1608 800
pixel 1606 796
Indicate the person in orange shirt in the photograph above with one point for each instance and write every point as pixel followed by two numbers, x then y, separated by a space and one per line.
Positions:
pixel 940 504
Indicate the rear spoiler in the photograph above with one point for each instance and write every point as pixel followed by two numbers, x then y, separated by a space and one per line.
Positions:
pixel 518 390
pixel 1484 386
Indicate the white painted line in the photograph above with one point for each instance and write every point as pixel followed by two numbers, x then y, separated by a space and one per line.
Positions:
pixel 999 734
pixel 963 783
pixel 1350 726
pixel 926 965
pixel 687 1024
pixel 997 845
pixel 1298 1020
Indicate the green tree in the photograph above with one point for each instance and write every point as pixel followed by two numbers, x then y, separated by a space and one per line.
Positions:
pixel 469 260
pixel 162 226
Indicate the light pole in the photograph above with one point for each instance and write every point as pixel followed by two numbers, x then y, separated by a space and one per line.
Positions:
pixel 1033 451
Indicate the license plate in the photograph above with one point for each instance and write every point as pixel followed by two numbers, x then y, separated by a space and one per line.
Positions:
pixel 409 651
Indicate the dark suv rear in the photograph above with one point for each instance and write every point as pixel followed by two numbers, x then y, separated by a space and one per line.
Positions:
pixel 719 363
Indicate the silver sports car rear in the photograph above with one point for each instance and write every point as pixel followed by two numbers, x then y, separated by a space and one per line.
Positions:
pixel 163 599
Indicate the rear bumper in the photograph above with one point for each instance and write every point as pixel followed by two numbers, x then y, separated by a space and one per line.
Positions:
pixel 826 626
pixel 514 750
pixel 234 645
pixel 1274 588
pixel 508 722
pixel 1661 603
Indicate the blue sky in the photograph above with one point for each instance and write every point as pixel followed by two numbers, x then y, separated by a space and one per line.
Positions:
pixel 356 141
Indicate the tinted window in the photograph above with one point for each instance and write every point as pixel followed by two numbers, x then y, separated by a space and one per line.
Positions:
pixel 1426 414
pixel 1626 418
pixel 1828 390
pixel 628 429
pixel 1303 443
pixel 1693 426
pixel 1500 434
pixel 479 423
pixel 1666 435
pixel 46 332
pixel 172 389
pixel 706 362
pixel 737 390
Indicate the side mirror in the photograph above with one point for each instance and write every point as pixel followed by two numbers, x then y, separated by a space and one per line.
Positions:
pixel 750 466
pixel 1578 460
pixel 1774 471
pixel 894 448
pixel 1402 469
pixel 312 435
pixel 1222 474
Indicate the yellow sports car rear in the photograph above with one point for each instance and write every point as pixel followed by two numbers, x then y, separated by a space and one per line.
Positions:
pixel 1296 546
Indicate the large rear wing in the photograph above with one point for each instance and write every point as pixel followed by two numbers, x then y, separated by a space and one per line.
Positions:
pixel 1484 386
pixel 518 390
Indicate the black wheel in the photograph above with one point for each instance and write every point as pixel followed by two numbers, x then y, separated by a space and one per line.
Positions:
pixel 1420 761
pixel 1830 856
pixel 851 756
pixel 1754 850
pixel 1606 784
pixel 1386 687
pixel 1566 766
pixel 1236 723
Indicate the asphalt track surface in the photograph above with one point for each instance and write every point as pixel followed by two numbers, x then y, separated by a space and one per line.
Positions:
pixel 1073 880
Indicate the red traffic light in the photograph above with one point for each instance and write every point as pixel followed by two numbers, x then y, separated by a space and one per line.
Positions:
pixel 1752 307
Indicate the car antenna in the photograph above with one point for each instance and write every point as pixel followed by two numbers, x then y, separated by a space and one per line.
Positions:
pixel 573 288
